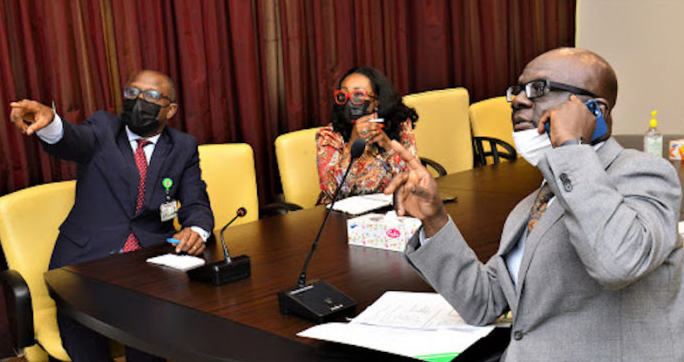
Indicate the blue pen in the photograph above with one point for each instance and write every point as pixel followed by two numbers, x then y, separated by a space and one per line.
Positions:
pixel 172 241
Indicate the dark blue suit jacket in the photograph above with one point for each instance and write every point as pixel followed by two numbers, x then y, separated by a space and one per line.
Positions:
pixel 107 186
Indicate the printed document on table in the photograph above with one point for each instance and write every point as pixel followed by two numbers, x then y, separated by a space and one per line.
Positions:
pixel 418 325
pixel 357 205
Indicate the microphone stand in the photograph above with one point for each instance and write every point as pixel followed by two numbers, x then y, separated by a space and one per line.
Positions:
pixel 226 270
pixel 302 277
pixel 320 301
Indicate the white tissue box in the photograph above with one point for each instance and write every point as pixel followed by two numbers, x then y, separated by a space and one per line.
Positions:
pixel 389 232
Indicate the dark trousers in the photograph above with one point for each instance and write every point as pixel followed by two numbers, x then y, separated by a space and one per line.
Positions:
pixel 85 345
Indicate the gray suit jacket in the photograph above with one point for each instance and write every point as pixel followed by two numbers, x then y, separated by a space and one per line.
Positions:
pixel 601 274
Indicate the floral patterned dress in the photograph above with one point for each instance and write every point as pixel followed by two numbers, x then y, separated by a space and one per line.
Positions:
pixel 371 172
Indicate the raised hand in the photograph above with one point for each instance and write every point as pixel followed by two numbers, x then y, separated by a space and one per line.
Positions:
pixel 30 116
pixel 416 194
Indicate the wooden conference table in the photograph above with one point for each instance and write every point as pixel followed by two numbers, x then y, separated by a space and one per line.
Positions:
pixel 159 310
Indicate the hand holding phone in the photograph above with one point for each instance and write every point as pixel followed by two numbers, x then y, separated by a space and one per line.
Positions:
pixel 601 128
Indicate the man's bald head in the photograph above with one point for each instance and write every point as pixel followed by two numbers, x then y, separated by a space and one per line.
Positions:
pixel 581 68
pixel 575 72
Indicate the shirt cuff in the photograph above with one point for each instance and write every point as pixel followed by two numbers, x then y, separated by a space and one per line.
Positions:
pixel 423 239
pixel 53 132
pixel 202 233
pixel 572 142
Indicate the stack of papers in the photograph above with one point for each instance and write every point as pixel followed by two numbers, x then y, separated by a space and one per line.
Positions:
pixel 180 262
pixel 357 205
pixel 417 325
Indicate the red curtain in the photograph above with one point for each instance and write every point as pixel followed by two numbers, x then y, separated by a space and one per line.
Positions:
pixel 248 71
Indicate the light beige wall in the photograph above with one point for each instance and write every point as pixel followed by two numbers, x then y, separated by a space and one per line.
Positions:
pixel 644 41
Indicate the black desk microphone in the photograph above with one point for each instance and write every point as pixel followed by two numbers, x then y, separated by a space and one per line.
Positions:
pixel 228 269
pixel 320 301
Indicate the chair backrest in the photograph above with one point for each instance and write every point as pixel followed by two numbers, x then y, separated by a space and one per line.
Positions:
pixel 296 155
pixel 228 170
pixel 29 225
pixel 492 118
pixel 443 130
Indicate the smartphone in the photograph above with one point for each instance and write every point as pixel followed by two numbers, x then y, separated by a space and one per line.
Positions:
pixel 447 197
pixel 601 126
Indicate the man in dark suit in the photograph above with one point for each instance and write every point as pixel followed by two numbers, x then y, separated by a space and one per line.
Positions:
pixel 130 167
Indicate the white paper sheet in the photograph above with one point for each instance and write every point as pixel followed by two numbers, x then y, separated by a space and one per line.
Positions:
pixel 409 324
pixel 411 310
pixel 180 262
pixel 356 205
pixel 404 342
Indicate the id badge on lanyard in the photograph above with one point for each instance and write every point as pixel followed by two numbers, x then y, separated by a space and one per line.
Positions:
pixel 169 209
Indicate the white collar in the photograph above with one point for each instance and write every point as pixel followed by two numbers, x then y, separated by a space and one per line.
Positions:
pixel 133 136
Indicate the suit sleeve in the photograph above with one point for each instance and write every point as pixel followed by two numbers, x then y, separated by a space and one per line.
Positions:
pixel 78 141
pixel 622 220
pixel 192 193
pixel 453 269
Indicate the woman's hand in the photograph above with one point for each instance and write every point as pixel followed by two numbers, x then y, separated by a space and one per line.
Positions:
pixel 379 137
pixel 371 131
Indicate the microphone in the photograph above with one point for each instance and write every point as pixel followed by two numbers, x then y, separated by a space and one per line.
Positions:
pixel 240 213
pixel 226 270
pixel 320 301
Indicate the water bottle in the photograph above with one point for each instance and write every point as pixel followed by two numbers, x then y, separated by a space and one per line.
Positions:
pixel 653 140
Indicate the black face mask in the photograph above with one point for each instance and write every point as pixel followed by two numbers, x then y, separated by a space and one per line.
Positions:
pixel 141 116
pixel 353 111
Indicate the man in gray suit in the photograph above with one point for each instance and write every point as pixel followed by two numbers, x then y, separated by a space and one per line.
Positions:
pixel 592 270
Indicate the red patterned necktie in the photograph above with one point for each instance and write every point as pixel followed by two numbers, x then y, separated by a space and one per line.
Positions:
pixel 140 161
pixel 539 206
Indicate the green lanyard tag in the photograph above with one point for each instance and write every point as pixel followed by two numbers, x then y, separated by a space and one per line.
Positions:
pixel 167 183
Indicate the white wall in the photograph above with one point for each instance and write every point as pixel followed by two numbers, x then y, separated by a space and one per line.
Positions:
pixel 644 41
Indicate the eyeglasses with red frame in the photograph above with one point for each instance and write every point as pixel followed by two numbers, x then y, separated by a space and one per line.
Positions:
pixel 357 96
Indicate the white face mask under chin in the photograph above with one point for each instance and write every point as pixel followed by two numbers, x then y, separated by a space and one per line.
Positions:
pixel 531 145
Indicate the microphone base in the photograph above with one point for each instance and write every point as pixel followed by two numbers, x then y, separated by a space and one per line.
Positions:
pixel 221 272
pixel 319 302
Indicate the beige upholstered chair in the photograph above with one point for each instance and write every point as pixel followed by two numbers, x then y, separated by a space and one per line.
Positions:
pixel 228 170
pixel 491 119
pixel 29 224
pixel 296 155
pixel 443 130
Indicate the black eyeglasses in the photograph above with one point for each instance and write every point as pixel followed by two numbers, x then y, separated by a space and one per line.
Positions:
pixel 150 95
pixel 537 88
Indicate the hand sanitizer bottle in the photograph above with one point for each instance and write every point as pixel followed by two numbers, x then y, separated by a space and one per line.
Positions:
pixel 653 140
